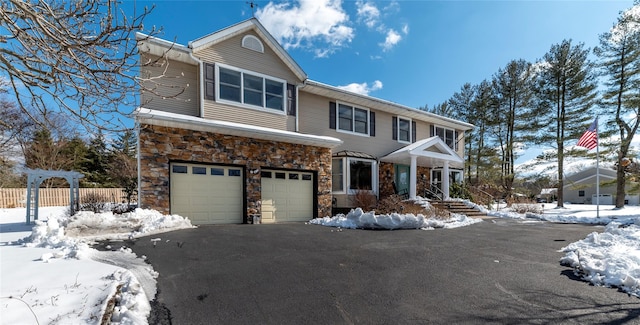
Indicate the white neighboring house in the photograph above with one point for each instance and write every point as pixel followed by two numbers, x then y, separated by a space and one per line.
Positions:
pixel 580 188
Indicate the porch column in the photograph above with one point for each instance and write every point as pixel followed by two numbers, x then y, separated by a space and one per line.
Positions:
pixel 445 180
pixel 413 179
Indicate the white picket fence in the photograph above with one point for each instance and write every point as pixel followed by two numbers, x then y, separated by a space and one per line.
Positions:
pixel 17 197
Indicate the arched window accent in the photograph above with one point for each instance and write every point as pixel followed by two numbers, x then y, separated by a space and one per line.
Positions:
pixel 253 43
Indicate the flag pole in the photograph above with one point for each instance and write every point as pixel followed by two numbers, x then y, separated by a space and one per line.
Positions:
pixel 597 170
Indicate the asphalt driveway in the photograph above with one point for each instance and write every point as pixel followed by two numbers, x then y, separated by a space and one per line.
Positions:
pixel 498 271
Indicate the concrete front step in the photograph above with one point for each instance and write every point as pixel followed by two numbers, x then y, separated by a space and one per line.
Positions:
pixel 458 207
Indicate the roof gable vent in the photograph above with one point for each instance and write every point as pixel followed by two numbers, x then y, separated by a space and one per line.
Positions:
pixel 253 43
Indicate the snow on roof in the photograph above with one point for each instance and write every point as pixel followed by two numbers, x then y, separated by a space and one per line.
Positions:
pixel 182 121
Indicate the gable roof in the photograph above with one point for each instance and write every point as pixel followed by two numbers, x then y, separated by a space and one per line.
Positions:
pixel 249 25
pixel 426 150
pixel 590 174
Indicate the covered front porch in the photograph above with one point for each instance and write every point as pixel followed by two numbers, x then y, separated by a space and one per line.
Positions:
pixel 414 168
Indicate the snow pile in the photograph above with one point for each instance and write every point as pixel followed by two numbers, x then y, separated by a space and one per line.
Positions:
pixel 611 258
pixel 141 222
pixel 357 218
pixel 77 282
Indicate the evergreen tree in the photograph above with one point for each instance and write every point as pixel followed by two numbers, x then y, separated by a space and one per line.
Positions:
pixel 619 60
pixel 123 168
pixel 512 114
pixel 461 104
pixel 96 164
pixel 566 90
pixel 126 143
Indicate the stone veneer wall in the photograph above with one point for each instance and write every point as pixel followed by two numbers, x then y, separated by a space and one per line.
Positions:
pixel 161 145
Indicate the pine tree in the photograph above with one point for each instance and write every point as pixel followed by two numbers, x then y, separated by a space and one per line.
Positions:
pixel 126 143
pixel 512 86
pixel 96 164
pixel 619 61
pixel 566 90
pixel 123 168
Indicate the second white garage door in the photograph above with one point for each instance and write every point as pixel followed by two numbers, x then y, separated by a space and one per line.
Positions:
pixel 287 196
pixel 207 194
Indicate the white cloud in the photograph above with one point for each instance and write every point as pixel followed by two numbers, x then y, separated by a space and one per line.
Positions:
pixel 321 25
pixel 363 88
pixel 391 40
pixel 368 13
pixel 628 27
pixel 405 29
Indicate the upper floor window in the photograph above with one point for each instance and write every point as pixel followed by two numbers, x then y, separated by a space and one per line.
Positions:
pixel 404 130
pixel 353 119
pixel 250 88
pixel 449 136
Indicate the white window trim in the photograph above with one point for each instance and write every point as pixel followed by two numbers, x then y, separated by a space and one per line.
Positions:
pixel 344 178
pixel 374 175
pixel 451 180
pixel 264 108
pixel 346 175
pixel 398 129
pixel 353 120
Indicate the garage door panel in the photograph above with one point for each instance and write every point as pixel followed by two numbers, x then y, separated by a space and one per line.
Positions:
pixel 207 198
pixel 287 196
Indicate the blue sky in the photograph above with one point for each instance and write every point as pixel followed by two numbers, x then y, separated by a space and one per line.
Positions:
pixel 410 52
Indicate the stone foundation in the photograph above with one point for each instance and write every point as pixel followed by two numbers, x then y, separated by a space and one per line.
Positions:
pixel 161 145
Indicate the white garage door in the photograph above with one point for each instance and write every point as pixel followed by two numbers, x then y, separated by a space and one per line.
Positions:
pixel 207 194
pixel 287 196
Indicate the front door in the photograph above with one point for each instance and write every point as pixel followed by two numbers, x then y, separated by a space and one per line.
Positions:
pixel 402 179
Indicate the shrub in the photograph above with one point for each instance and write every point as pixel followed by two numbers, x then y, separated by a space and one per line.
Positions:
pixel 94 202
pixel 365 200
pixel 524 208
pixel 395 204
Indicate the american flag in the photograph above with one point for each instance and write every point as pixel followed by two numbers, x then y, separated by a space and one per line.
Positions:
pixel 589 139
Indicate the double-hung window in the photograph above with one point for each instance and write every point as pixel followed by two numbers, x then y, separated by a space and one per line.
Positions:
pixel 237 86
pixel 353 119
pixel 404 130
pixel 449 136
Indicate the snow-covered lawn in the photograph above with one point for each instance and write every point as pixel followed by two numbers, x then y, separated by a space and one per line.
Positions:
pixel 608 258
pixel 50 275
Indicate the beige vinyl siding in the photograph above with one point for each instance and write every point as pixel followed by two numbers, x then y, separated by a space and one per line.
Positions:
pixel 314 119
pixel 179 86
pixel 231 52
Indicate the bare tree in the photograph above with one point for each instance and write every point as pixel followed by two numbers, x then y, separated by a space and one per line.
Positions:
pixel 78 55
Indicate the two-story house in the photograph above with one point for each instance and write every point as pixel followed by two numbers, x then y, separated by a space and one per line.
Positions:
pixel 230 126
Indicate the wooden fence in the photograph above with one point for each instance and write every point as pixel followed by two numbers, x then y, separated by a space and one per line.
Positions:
pixel 17 197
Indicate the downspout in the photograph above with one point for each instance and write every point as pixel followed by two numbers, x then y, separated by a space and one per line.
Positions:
pixel 137 128
pixel 297 126
pixel 200 80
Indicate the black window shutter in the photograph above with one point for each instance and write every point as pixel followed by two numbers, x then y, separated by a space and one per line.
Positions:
pixel 209 81
pixel 291 100
pixel 332 115
pixel 395 127
pixel 372 124
pixel 432 132
pixel 413 131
